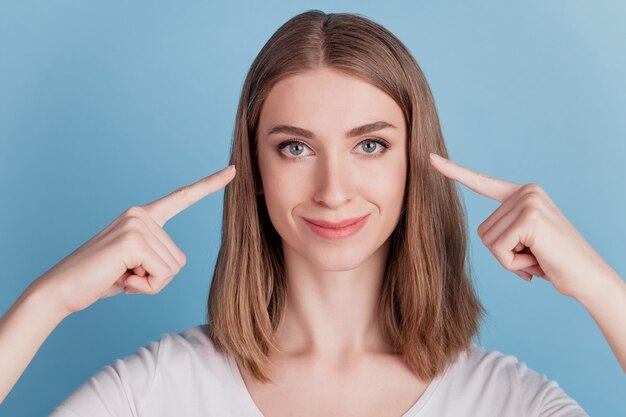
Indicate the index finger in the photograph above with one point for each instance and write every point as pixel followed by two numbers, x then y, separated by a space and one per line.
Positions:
pixel 163 209
pixel 495 188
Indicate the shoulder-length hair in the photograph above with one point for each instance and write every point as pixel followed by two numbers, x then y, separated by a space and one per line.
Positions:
pixel 428 309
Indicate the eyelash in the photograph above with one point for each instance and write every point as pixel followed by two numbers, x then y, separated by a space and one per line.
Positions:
pixel 381 142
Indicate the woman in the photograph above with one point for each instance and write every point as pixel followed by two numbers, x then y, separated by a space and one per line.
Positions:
pixel 340 286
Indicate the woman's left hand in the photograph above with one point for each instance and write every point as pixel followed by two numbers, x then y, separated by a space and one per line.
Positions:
pixel 529 235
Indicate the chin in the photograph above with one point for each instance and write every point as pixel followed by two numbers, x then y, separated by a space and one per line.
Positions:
pixel 336 259
pixel 338 266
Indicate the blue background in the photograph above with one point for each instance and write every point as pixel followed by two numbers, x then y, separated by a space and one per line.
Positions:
pixel 109 104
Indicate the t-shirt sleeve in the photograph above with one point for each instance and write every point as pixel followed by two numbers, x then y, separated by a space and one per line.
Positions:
pixel 544 397
pixel 117 390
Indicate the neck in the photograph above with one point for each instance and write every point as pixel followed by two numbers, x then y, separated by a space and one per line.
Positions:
pixel 332 314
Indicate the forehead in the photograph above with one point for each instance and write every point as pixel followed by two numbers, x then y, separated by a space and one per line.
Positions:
pixel 327 99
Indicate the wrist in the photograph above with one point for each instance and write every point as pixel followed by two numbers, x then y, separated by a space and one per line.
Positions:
pixel 605 287
pixel 38 298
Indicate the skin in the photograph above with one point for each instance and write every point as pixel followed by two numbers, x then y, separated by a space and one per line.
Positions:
pixel 132 254
pixel 334 179
pixel 329 331
pixel 330 282
pixel 529 235
pixel 325 338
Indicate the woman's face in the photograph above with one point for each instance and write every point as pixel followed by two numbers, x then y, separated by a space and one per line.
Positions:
pixel 330 172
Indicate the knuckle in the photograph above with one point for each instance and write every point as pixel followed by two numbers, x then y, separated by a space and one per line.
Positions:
pixel 508 266
pixel 172 270
pixel 134 211
pixel 483 237
pixel 481 229
pixel 132 225
pixel 532 188
pixel 531 215
pixel 153 286
pixel 504 260
pixel 534 200
pixel 153 291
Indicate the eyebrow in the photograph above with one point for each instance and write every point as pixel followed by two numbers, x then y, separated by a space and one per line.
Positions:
pixel 357 131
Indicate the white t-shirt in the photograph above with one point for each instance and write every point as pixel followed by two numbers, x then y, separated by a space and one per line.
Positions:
pixel 183 375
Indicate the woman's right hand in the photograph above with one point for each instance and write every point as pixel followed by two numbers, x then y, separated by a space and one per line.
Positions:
pixel 133 253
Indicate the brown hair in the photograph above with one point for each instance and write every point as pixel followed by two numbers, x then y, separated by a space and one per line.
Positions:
pixel 428 309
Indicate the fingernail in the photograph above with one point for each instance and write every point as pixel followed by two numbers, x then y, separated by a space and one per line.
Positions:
pixel 228 170
pixel 437 158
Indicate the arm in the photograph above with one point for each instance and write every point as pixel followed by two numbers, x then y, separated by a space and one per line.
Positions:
pixel 115 390
pixel 23 329
pixel 606 303
pixel 530 236
pixel 132 253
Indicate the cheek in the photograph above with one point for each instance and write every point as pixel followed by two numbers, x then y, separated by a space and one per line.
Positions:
pixel 385 182
pixel 282 190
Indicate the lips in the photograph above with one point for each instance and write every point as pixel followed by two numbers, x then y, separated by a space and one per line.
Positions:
pixel 337 230
pixel 337 225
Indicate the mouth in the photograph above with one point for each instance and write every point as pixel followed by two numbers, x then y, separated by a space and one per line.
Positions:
pixel 339 230
pixel 335 225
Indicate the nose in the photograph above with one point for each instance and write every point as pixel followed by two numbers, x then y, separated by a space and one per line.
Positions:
pixel 334 182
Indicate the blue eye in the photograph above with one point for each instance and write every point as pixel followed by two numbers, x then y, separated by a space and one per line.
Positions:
pixel 373 145
pixel 295 148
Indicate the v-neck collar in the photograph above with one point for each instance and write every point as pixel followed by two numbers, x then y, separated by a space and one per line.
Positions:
pixel 254 411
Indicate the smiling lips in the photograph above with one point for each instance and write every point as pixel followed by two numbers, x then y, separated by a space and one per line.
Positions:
pixel 340 230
